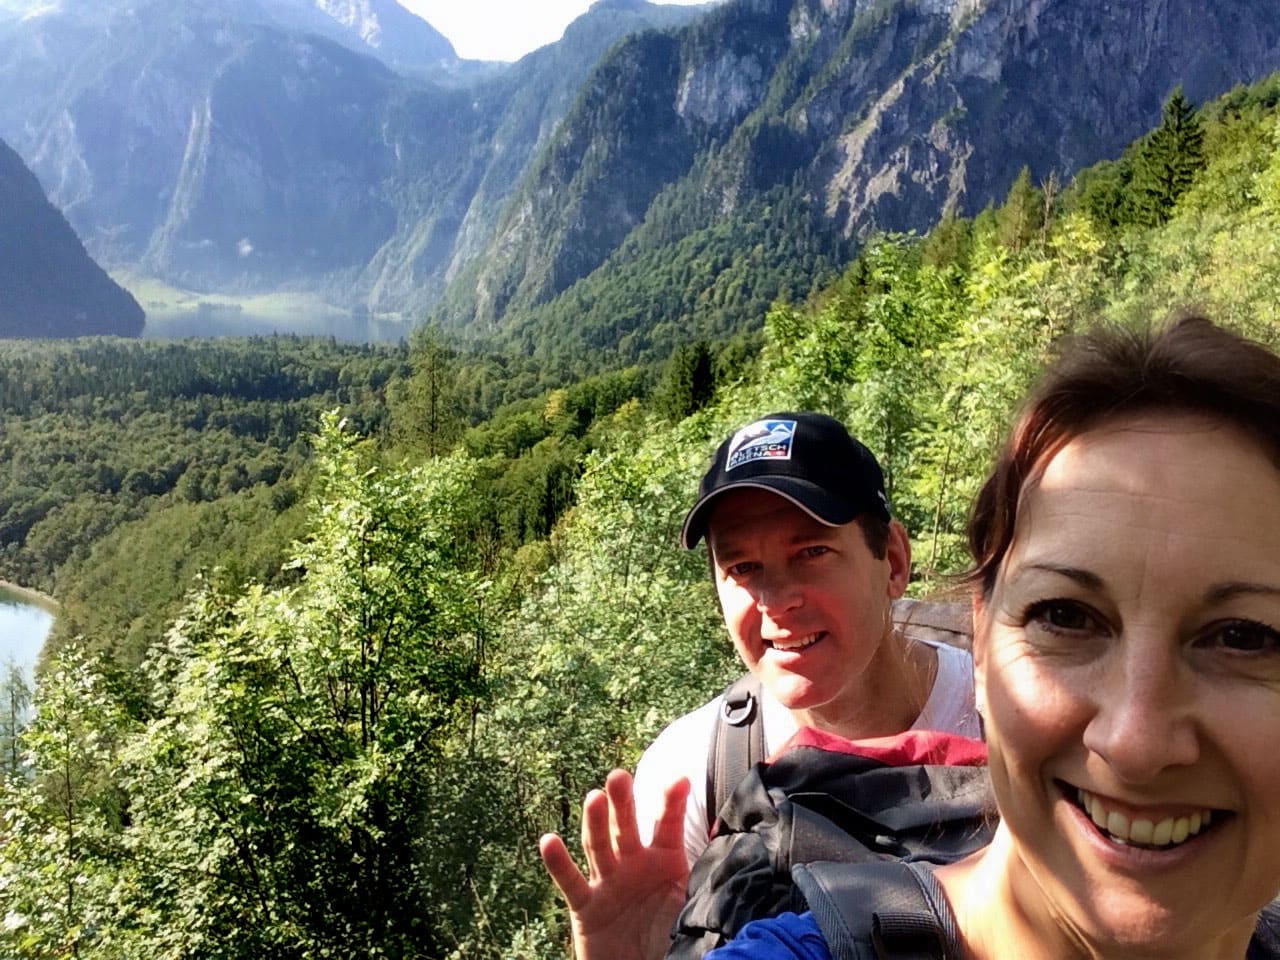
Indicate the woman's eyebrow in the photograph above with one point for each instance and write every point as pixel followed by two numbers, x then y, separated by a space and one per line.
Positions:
pixel 1226 591
pixel 1086 578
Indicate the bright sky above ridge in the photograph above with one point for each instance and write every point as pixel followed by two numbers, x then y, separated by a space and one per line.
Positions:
pixel 502 29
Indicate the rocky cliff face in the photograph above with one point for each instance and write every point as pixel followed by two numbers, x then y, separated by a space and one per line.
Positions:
pixel 1051 85
pixel 49 287
pixel 246 145
pixel 227 145
pixel 881 114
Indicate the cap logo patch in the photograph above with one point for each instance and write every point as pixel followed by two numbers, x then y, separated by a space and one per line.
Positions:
pixel 762 440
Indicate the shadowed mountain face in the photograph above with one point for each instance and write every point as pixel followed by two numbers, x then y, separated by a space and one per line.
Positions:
pixel 49 287
pixel 856 116
pixel 249 145
pixel 236 145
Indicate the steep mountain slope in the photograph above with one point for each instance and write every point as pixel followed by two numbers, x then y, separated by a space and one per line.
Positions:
pixel 700 170
pixel 382 27
pixel 479 147
pixel 854 116
pixel 48 285
pixel 222 146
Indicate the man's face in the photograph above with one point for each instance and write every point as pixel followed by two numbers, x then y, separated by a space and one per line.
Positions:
pixel 806 604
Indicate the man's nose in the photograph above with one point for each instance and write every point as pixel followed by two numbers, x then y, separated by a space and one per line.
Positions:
pixel 778 592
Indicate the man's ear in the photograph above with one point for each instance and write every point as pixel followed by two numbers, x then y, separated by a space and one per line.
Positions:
pixel 898 553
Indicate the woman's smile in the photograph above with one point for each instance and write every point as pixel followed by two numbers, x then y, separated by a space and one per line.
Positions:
pixel 1130 673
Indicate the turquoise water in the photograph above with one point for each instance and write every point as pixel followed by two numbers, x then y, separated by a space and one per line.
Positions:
pixel 23 628
pixel 225 323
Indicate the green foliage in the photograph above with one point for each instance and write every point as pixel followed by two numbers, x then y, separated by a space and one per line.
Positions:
pixel 688 382
pixel 15 701
pixel 304 729
pixel 426 408
pixel 687 273
pixel 357 755
pixel 1167 161
pixel 1021 218
pixel 101 432
pixel 61 819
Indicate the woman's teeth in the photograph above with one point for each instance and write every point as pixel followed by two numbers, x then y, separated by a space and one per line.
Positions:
pixel 1140 831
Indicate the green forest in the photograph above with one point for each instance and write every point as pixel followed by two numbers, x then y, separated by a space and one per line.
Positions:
pixel 345 629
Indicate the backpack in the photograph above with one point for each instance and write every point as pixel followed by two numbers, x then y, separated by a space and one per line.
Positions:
pixel 889 910
pixel 737 739
pixel 917 796
pixel 894 910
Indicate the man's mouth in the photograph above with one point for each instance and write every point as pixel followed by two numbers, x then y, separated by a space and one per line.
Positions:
pixel 1148 833
pixel 796 644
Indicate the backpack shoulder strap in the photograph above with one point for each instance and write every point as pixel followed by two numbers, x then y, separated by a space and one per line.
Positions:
pixel 1265 944
pixel 881 910
pixel 737 741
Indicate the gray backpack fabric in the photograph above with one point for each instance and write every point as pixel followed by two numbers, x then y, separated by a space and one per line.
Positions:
pixel 896 911
pixel 878 911
pixel 828 799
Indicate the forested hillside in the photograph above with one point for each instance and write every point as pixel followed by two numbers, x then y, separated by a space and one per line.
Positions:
pixel 49 286
pixel 354 756
pixel 242 146
pixel 708 171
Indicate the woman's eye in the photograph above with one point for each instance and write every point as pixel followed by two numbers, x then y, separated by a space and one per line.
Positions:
pixel 1244 636
pixel 1062 615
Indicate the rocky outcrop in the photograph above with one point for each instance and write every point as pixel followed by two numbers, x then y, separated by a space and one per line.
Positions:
pixel 247 145
pixel 49 287
pixel 1054 86
pixel 881 113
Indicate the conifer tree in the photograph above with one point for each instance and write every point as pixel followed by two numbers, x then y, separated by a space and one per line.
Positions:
pixel 688 382
pixel 15 700
pixel 1018 222
pixel 1167 162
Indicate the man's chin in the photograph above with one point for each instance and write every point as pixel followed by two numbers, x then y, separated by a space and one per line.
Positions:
pixel 793 691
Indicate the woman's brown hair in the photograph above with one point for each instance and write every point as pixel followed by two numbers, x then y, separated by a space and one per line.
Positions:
pixel 1190 365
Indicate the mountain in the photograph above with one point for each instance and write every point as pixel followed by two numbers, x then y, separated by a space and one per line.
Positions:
pixel 483 143
pixel 840 117
pixel 393 34
pixel 49 287
pixel 658 174
pixel 234 145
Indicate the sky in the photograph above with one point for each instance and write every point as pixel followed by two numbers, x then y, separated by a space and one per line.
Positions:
pixel 502 29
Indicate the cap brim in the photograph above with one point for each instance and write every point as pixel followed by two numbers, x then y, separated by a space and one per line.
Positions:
pixel 809 497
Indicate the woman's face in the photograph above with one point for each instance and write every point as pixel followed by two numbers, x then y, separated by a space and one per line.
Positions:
pixel 1128 665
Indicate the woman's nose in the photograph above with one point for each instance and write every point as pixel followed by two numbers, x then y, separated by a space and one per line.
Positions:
pixel 1144 721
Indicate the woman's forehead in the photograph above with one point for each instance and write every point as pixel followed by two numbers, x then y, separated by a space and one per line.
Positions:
pixel 1141 487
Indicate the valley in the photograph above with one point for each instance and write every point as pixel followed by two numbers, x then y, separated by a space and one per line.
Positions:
pixel 350 399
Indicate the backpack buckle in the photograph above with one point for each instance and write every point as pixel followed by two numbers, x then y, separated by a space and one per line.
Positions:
pixel 739 710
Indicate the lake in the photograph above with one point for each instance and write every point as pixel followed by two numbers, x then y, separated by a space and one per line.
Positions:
pixel 23 628
pixel 177 325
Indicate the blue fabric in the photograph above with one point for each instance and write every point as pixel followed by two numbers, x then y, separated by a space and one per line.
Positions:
pixel 788 936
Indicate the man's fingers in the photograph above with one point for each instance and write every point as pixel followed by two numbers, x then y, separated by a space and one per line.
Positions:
pixel 622 812
pixel 668 831
pixel 564 872
pixel 596 843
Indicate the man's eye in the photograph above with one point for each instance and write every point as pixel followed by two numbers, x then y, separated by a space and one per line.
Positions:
pixel 1243 636
pixel 739 570
pixel 1061 615
pixel 816 550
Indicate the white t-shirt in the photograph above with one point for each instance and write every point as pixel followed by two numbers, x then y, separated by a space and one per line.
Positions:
pixel 681 749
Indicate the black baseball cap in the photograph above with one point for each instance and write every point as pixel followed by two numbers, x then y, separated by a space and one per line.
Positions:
pixel 808 458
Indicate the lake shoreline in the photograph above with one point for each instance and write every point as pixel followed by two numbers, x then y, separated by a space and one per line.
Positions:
pixel 31 595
